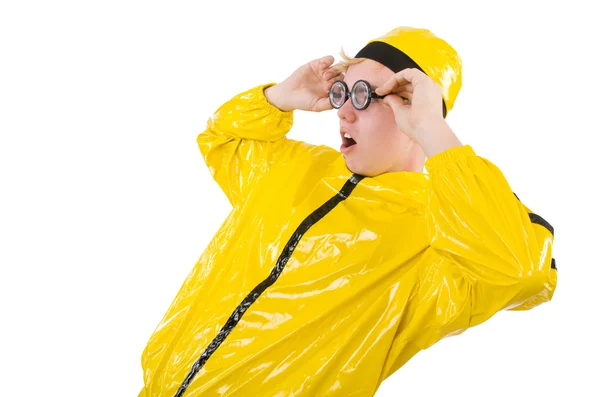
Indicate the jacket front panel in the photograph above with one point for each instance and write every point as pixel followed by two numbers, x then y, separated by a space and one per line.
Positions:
pixel 308 291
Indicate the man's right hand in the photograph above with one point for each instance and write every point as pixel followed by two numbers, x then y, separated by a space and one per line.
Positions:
pixel 307 88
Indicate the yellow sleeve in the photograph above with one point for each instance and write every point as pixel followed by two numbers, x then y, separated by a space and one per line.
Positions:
pixel 243 139
pixel 488 251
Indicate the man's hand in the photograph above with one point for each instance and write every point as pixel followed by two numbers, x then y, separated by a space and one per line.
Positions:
pixel 416 100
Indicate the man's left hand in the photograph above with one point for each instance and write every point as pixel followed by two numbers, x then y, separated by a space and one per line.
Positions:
pixel 416 100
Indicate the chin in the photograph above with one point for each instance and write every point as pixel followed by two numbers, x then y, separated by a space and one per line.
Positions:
pixel 359 170
pixel 350 167
pixel 373 171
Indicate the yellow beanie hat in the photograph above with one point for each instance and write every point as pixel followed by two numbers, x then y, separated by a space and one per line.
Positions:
pixel 407 47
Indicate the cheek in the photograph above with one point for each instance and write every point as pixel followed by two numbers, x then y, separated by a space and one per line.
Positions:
pixel 383 118
pixel 383 133
pixel 387 142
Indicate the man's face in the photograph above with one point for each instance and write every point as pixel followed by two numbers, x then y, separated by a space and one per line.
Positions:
pixel 380 146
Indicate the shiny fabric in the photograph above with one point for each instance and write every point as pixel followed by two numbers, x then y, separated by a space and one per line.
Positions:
pixel 433 55
pixel 377 268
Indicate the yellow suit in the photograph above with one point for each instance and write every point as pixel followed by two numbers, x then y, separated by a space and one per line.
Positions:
pixel 322 282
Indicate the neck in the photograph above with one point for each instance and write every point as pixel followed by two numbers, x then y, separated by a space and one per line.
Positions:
pixel 413 160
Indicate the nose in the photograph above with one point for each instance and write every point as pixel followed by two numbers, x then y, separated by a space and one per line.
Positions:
pixel 347 112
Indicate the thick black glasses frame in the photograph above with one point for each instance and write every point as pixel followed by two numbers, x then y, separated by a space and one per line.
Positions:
pixel 351 94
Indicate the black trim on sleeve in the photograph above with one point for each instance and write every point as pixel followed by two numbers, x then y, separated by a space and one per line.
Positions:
pixel 535 218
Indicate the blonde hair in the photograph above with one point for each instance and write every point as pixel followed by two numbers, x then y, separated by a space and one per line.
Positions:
pixel 343 65
pixel 346 61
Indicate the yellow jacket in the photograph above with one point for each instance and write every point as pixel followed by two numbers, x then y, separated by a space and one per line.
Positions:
pixel 322 282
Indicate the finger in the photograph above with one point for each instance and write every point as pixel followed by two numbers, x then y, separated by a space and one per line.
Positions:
pixel 405 95
pixel 403 77
pixel 337 68
pixel 328 84
pixel 399 109
pixel 404 98
pixel 327 74
pixel 404 88
pixel 392 85
pixel 330 74
pixel 322 104
pixel 395 89
pixel 326 61
pixel 391 100
pixel 395 81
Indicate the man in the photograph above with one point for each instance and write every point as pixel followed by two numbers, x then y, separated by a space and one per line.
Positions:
pixel 332 270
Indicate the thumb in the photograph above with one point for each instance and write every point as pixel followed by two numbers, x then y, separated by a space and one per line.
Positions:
pixel 322 104
pixel 395 102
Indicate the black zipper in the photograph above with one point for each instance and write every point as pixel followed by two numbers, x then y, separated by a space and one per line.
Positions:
pixel 237 314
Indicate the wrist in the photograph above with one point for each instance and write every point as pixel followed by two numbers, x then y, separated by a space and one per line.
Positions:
pixel 429 127
pixel 276 96
pixel 436 136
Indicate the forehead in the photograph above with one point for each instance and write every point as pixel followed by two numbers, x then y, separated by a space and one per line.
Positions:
pixel 372 71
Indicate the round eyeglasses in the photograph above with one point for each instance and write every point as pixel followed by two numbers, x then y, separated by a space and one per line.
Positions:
pixel 360 96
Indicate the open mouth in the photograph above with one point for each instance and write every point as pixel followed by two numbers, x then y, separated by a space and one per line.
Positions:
pixel 346 141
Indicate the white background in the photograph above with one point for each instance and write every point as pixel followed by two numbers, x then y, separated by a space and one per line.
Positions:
pixel 106 203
